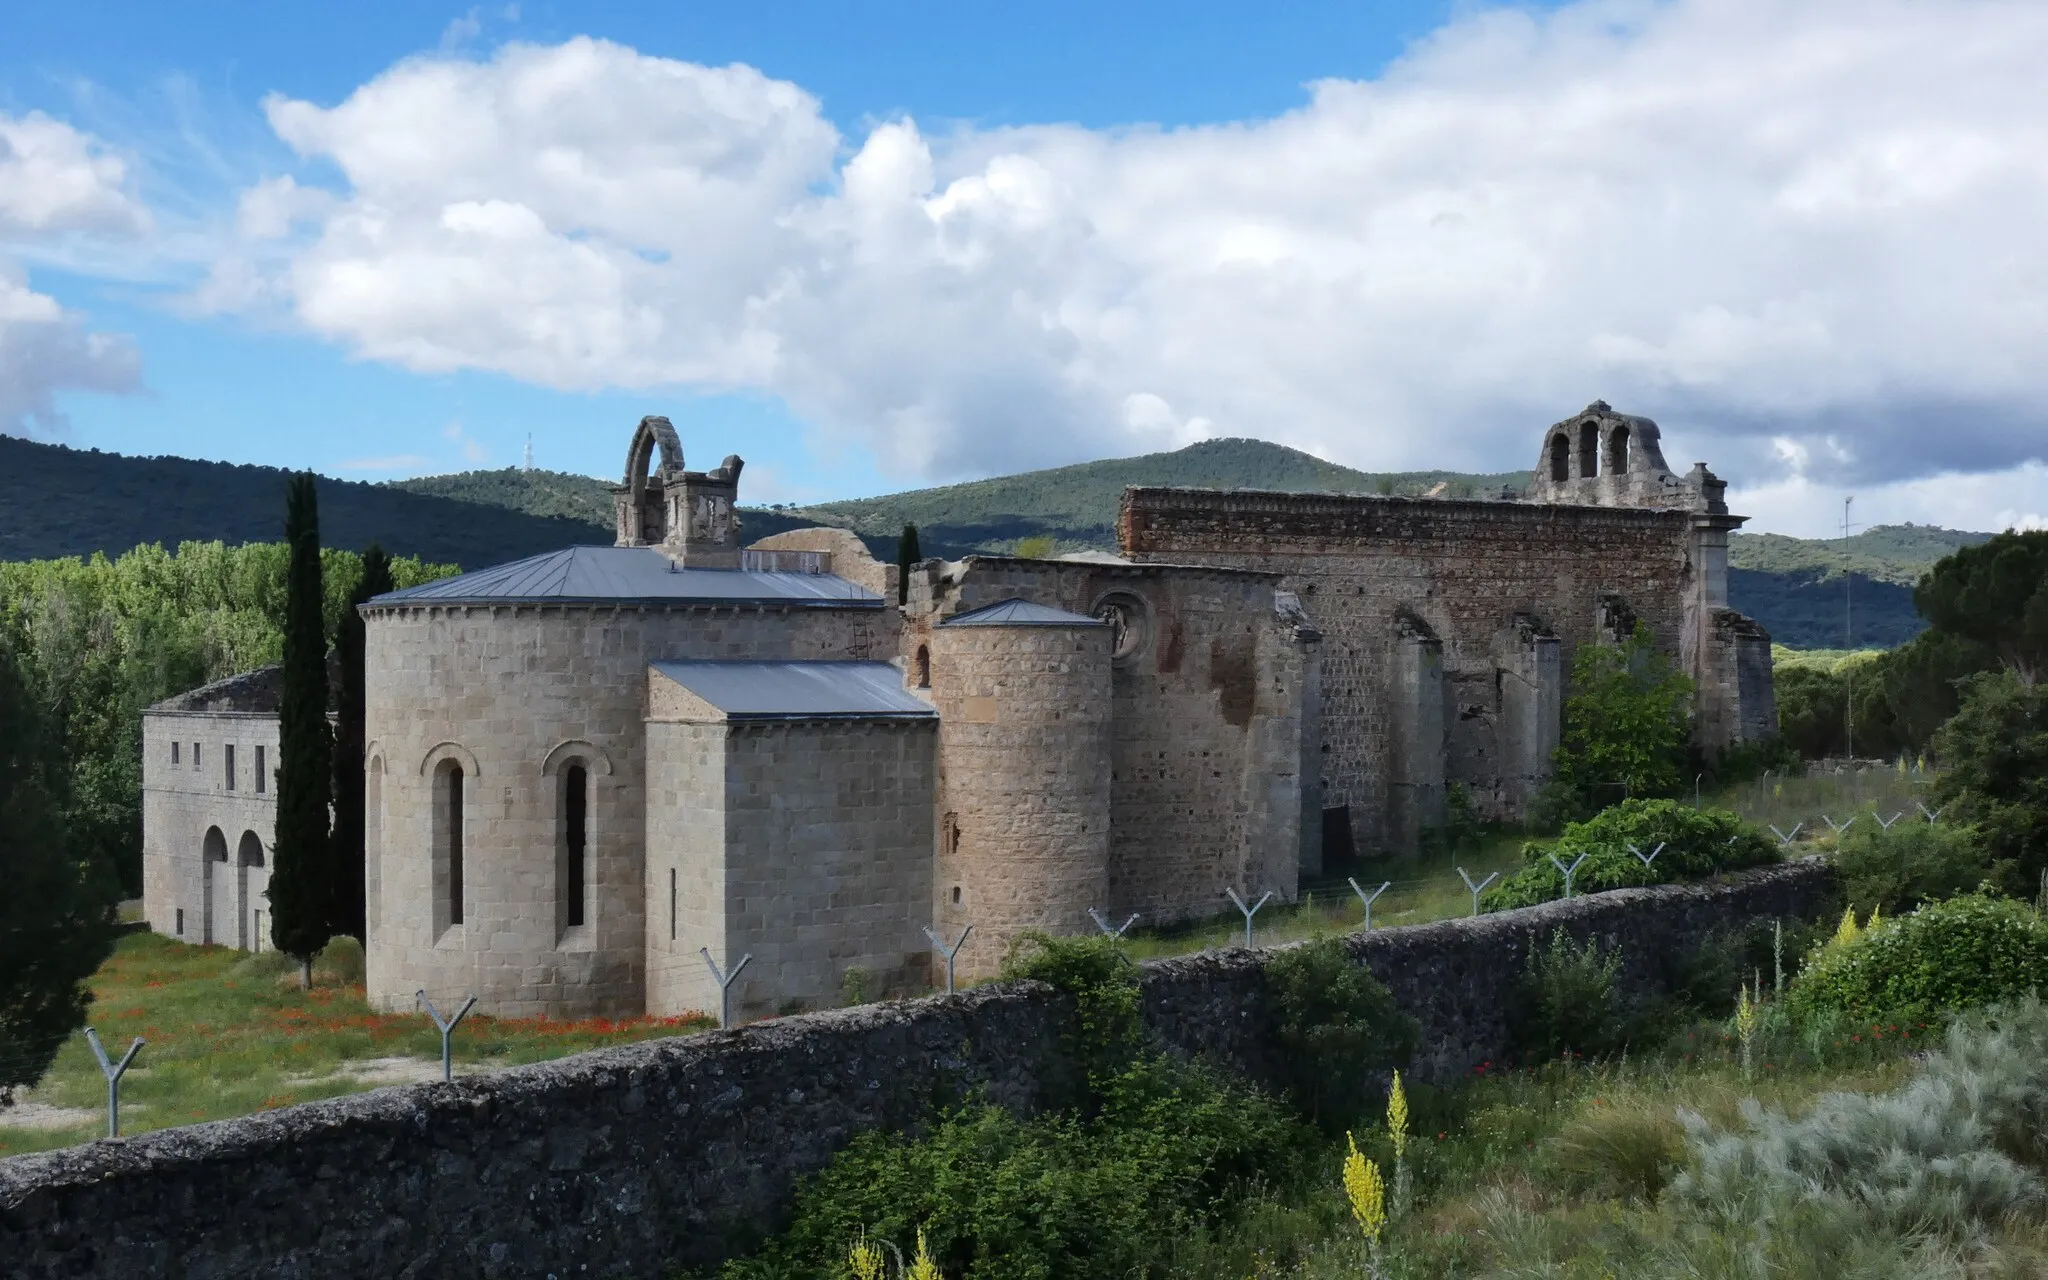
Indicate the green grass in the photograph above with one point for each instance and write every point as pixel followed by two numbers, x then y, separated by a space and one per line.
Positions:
pixel 1559 1171
pixel 1810 800
pixel 1424 888
pixel 227 1034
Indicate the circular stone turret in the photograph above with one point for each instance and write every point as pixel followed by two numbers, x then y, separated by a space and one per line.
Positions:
pixel 1024 700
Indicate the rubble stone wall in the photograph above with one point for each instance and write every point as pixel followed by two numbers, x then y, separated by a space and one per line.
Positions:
pixel 1483 581
pixel 634 1160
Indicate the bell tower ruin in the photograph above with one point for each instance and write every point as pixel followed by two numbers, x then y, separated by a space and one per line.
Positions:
pixel 692 517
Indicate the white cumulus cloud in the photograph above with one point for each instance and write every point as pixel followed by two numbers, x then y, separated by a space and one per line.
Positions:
pixel 1757 222
pixel 55 182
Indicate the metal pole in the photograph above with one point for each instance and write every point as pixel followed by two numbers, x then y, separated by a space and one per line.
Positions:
pixel 1368 901
pixel 1565 871
pixel 1646 861
pixel 447 1029
pixel 954 950
pixel 1103 925
pixel 724 981
pixel 113 1072
pixel 1476 889
pixel 1249 912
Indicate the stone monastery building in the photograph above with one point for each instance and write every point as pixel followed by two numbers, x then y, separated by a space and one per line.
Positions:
pixel 588 768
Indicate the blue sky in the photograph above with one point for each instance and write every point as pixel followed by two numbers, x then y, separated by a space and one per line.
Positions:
pixel 876 246
pixel 222 388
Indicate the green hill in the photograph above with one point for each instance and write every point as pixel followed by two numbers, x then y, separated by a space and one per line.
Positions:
pixel 1890 553
pixel 56 501
pixel 1076 505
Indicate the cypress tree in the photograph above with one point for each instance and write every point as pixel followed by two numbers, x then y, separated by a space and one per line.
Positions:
pixel 349 916
pixel 57 916
pixel 907 553
pixel 301 874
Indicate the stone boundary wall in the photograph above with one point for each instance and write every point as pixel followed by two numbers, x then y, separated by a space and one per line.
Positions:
pixel 629 1161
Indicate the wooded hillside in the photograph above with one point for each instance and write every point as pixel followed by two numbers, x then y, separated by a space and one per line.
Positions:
pixel 56 501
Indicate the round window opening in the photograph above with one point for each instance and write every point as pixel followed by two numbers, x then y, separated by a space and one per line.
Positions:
pixel 1126 615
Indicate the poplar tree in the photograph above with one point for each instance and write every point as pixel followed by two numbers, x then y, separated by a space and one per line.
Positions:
pixel 301 874
pixel 349 639
pixel 907 554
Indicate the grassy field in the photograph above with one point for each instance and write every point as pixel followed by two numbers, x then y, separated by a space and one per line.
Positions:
pixel 1862 795
pixel 1427 887
pixel 1562 1171
pixel 228 1033
pixel 1421 888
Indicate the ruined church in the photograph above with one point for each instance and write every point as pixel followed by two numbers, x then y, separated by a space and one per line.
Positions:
pixel 589 769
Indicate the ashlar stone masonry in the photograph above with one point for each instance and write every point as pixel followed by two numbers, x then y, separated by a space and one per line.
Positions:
pixel 589 769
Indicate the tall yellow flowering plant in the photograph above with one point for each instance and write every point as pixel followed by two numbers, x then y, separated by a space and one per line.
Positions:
pixel 1366 1191
pixel 1397 1133
pixel 864 1259
pixel 922 1267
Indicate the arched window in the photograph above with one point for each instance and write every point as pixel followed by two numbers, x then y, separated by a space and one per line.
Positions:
pixel 448 844
pixel 1589 451
pixel 248 916
pixel 924 667
pixel 213 851
pixel 1560 459
pixel 1617 452
pixel 373 843
pixel 575 842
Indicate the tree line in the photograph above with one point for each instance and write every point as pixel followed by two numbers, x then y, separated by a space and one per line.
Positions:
pixel 86 645
pixel 1987 611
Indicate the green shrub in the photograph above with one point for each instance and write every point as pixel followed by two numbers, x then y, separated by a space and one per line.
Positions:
pixel 1703 981
pixel 1959 1148
pixel 1339 1030
pixel 1107 1033
pixel 1963 953
pixel 1912 863
pixel 1697 843
pixel 1625 724
pixel 339 964
pixel 1000 1198
pixel 1567 1004
pixel 1631 1149
pixel 1994 757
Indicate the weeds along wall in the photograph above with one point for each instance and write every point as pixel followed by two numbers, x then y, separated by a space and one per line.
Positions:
pixel 629 1161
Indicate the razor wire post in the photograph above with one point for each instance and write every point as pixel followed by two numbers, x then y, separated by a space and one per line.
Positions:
pixel 954 950
pixel 1479 888
pixel 1785 837
pixel 1883 822
pixel 1368 901
pixel 724 981
pixel 113 1071
pixel 1567 871
pixel 1103 925
pixel 1839 827
pixel 1932 814
pixel 1249 912
pixel 447 1028
pixel 1652 857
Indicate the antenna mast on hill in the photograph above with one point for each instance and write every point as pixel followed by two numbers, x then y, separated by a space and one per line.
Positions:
pixel 529 451
pixel 1848 639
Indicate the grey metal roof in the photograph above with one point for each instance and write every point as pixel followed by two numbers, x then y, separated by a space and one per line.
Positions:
pixel 799 690
pixel 1021 613
pixel 629 575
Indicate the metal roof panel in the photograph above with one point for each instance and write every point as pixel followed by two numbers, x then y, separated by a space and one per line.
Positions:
pixel 799 690
pixel 1021 613
pixel 629 575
